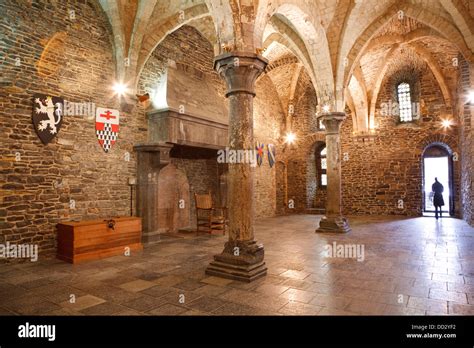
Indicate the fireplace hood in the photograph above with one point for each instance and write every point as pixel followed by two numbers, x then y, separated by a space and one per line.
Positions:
pixel 187 110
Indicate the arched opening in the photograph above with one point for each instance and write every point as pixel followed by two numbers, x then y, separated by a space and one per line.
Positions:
pixel 316 183
pixel 437 163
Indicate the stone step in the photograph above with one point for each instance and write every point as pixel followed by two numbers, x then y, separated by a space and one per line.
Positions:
pixel 316 211
pixel 151 238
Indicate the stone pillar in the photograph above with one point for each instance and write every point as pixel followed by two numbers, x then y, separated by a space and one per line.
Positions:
pixel 242 258
pixel 151 158
pixel 333 221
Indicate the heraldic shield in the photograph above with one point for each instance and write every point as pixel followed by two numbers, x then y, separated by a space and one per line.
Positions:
pixel 47 116
pixel 107 127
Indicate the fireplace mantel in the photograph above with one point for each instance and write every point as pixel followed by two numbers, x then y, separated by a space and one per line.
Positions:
pixel 170 126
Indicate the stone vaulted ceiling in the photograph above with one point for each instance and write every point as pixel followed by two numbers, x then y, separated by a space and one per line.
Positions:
pixel 345 46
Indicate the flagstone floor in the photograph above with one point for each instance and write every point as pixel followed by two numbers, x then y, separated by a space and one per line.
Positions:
pixel 411 266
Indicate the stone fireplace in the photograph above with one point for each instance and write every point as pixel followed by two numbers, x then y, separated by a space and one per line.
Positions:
pixel 180 157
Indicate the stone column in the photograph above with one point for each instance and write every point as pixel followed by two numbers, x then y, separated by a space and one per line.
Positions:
pixel 242 258
pixel 151 158
pixel 333 221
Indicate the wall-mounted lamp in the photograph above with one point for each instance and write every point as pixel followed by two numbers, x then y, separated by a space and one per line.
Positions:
pixel 132 181
pixel 119 89
pixel 447 123
pixel 290 138
pixel 144 100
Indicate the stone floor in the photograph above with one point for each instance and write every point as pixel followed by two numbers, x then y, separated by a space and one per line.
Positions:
pixel 411 266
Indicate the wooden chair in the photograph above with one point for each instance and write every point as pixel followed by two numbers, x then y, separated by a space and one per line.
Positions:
pixel 213 218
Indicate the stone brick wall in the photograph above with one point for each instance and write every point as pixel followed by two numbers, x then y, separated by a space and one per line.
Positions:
pixel 40 184
pixel 268 116
pixel 466 117
pixel 187 47
pixel 202 170
pixel 302 175
pixel 388 167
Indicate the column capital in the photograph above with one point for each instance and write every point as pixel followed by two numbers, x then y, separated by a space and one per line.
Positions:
pixel 240 70
pixel 332 121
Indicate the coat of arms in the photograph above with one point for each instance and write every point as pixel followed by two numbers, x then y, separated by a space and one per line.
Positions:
pixel 107 127
pixel 47 116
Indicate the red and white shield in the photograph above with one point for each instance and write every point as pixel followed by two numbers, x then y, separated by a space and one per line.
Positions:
pixel 107 127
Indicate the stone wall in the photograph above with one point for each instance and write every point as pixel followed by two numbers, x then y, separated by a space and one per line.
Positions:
pixel 387 167
pixel 466 117
pixel 179 74
pixel 202 170
pixel 383 168
pixel 71 177
pixel 268 116
pixel 301 171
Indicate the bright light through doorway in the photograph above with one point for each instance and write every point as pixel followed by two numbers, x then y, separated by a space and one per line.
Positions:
pixel 436 167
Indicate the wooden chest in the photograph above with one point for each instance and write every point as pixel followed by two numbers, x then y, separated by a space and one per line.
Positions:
pixel 97 239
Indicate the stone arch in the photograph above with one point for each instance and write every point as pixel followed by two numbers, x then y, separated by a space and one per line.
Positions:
pixel 315 41
pixel 359 100
pixel 111 8
pixel 300 24
pixel 281 62
pixel 410 76
pixel 314 138
pixel 173 193
pixel 162 30
pixel 293 42
pixel 435 22
pixel 445 140
pixel 461 17
pixel 221 12
pixel 430 62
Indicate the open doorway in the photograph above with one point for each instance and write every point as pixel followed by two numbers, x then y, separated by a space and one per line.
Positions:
pixel 437 164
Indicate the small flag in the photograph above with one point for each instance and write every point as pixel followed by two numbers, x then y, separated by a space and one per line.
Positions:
pixel 271 154
pixel 260 152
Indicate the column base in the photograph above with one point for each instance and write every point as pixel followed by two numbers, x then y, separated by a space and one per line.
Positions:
pixel 336 224
pixel 240 260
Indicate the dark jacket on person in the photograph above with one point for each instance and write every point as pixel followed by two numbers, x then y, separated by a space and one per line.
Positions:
pixel 438 189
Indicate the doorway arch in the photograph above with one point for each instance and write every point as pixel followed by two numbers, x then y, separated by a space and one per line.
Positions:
pixel 437 161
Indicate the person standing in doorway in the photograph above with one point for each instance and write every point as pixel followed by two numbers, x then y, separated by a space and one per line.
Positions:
pixel 438 200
